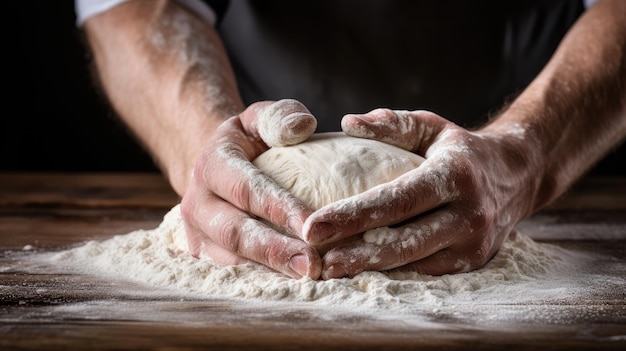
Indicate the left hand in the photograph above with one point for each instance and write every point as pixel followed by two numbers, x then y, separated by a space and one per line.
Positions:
pixel 450 214
pixel 235 214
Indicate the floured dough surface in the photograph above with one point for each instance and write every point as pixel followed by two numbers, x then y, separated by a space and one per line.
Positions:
pixel 333 166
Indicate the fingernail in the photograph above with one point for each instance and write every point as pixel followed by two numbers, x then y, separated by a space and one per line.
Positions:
pixel 297 127
pixel 366 118
pixel 298 121
pixel 300 264
pixel 319 233
pixel 358 126
pixel 334 271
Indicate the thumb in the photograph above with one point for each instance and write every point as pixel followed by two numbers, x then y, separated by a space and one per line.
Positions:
pixel 415 131
pixel 280 123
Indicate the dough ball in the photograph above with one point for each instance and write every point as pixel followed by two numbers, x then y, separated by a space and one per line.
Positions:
pixel 333 166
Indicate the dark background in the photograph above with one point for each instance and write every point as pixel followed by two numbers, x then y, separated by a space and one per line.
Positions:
pixel 54 118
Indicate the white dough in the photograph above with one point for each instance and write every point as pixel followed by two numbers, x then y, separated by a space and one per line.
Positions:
pixel 333 166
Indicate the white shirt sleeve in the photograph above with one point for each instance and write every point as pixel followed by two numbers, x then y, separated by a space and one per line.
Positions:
pixel 87 8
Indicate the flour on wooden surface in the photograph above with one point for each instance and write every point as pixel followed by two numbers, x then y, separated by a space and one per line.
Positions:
pixel 159 258
pixel 523 270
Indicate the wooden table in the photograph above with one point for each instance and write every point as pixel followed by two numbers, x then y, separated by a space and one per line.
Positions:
pixel 67 311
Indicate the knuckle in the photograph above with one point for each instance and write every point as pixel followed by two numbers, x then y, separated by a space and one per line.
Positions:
pixel 382 112
pixel 405 199
pixel 239 192
pixel 228 236
pixel 194 245
pixel 480 220
pixel 407 253
pixel 348 224
pixel 414 240
pixel 275 254
pixel 394 247
pixel 479 256
pixel 274 212
pixel 478 252
pixel 465 174
pixel 187 209
pixel 202 166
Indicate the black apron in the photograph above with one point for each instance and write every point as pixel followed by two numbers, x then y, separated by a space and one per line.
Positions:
pixel 460 59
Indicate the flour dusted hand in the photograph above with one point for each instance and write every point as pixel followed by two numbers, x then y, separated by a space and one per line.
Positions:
pixel 228 196
pixel 448 215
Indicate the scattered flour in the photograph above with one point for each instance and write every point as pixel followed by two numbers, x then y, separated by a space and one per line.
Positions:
pixel 159 258
pixel 522 271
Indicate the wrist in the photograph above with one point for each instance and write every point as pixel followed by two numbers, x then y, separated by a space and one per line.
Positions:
pixel 185 143
pixel 523 162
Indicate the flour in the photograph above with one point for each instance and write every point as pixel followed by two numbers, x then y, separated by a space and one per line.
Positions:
pixel 522 270
pixel 159 258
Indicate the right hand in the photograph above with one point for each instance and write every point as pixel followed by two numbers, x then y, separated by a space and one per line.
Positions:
pixel 227 196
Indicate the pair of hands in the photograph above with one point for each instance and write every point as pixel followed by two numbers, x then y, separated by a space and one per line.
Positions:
pixel 449 215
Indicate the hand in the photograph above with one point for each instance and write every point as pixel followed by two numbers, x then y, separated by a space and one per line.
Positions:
pixel 228 197
pixel 451 214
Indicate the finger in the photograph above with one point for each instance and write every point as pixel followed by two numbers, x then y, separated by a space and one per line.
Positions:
pixel 388 248
pixel 463 256
pixel 443 262
pixel 280 123
pixel 418 191
pixel 411 130
pixel 237 233
pixel 230 174
pixel 201 246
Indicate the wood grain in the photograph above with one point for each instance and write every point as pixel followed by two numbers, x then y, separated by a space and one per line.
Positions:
pixel 41 308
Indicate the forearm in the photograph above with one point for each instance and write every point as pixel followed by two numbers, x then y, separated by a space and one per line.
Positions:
pixel 167 76
pixel 574 112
